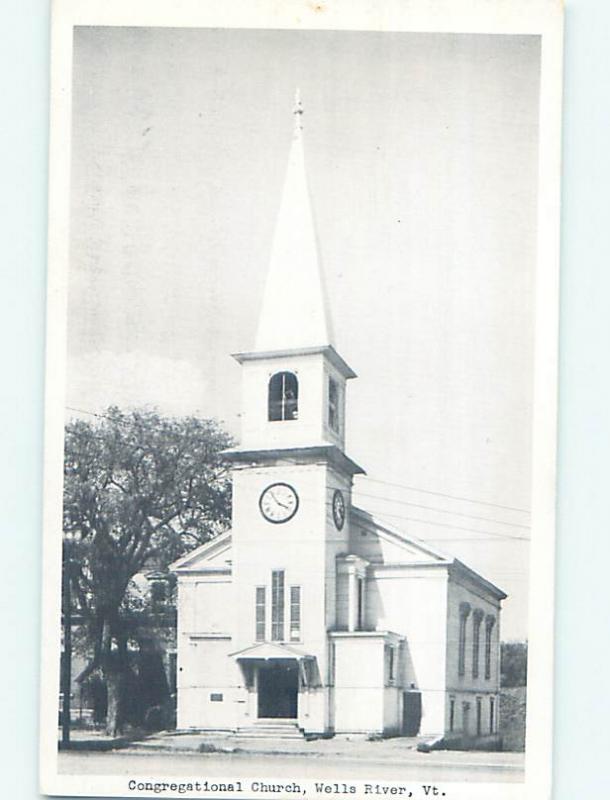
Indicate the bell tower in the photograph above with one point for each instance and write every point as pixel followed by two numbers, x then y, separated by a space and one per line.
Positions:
pixel 294 381
pixel 292 480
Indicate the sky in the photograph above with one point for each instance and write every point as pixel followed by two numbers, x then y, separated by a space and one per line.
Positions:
pixel 421 153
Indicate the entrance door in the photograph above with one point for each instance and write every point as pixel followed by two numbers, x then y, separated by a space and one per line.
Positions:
pixel 278 689
pixel 411 713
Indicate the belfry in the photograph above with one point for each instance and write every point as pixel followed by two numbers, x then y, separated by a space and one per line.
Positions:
pixel 305 617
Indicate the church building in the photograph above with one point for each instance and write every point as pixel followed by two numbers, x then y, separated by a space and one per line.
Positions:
pixel 311 617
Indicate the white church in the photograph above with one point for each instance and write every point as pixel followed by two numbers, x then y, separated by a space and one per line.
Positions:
pixel 310 617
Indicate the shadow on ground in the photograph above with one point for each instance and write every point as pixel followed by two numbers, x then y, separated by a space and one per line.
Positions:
pixel 99 743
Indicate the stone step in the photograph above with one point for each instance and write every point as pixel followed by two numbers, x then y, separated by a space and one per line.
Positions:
pixel 270 728
pixel 280 730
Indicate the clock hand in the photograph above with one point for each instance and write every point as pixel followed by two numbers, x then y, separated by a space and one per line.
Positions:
pixel 283 505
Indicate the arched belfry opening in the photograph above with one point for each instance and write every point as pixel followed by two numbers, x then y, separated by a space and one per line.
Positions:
pixel 283 397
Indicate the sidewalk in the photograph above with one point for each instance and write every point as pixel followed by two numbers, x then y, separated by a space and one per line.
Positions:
pixel 228 743
pixel 399 750
pixel 392 750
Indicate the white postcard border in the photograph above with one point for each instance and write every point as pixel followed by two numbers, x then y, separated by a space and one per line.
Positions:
pixel 539 17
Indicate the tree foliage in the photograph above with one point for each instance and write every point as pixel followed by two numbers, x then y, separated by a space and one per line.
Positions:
pixel 513 664
pixel 139 491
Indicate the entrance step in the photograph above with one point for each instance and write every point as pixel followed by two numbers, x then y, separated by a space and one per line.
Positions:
pixel 270 730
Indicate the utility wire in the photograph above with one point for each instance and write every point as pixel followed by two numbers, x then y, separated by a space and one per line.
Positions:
pixel 480 534
pixel 439 510
pixel 442 494
pixel 383 514
pixel 90 413
pixel 396 485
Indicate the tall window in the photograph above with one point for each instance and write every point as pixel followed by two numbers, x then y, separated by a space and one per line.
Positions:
pixel 451 714
pixel 466 717
pixel 492 703
pixel 477 618
pixel 277 605
pixel 283 397
pixel 295 613
pixel 489 623
pixel 390 664
pixel 173 672
pixel 360 604
pixel 332 660
pixel 478 716
pixel 333 404
pixel 260 613
pixel 464 612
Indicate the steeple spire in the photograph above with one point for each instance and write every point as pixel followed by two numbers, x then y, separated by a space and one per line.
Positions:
pixel 298 115
pixel 294 312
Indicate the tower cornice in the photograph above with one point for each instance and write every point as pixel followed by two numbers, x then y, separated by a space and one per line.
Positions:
pixel 299 455
pixel 328 350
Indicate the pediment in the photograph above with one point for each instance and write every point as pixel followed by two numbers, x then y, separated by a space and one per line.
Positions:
pixel 210 556
pixel 269 651
pixel 381 543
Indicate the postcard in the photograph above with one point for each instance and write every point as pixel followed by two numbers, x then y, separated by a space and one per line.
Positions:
pixel 301 399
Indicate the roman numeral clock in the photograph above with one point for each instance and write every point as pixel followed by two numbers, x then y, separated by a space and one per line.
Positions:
pixel 279 502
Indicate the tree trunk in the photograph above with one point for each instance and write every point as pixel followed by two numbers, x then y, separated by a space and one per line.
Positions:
pixel 115 714
pixel 114 668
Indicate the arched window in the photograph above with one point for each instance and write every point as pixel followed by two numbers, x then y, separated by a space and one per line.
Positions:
pixel 464 612
pixel 283 396
pixel 333 404
pixel 477 618
pixel 489 624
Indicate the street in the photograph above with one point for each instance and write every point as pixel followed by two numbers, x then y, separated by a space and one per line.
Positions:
pixel 437 766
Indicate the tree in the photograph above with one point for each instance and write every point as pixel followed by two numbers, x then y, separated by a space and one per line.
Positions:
pixel 513 664
pixel 138 489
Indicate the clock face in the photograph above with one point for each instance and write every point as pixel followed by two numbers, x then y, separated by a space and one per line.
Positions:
pixel 338 509
pixel 279 502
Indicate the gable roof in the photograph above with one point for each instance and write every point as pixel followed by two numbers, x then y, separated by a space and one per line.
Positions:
pixel 462 571
pixel 429 555
pixel 396 537
pixel 211 556
pixel 202 558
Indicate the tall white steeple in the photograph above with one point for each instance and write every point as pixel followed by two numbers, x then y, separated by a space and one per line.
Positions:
pixel 294 381
pixel 294 312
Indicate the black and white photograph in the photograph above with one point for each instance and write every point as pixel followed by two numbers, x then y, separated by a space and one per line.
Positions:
pixel 300 443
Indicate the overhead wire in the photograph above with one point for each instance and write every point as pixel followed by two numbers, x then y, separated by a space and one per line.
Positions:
pixel 439 510
pixel 443 494
pixel 382 514
pixel 480 534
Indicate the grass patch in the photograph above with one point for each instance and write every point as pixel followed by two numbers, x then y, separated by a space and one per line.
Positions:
pixel 512 718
